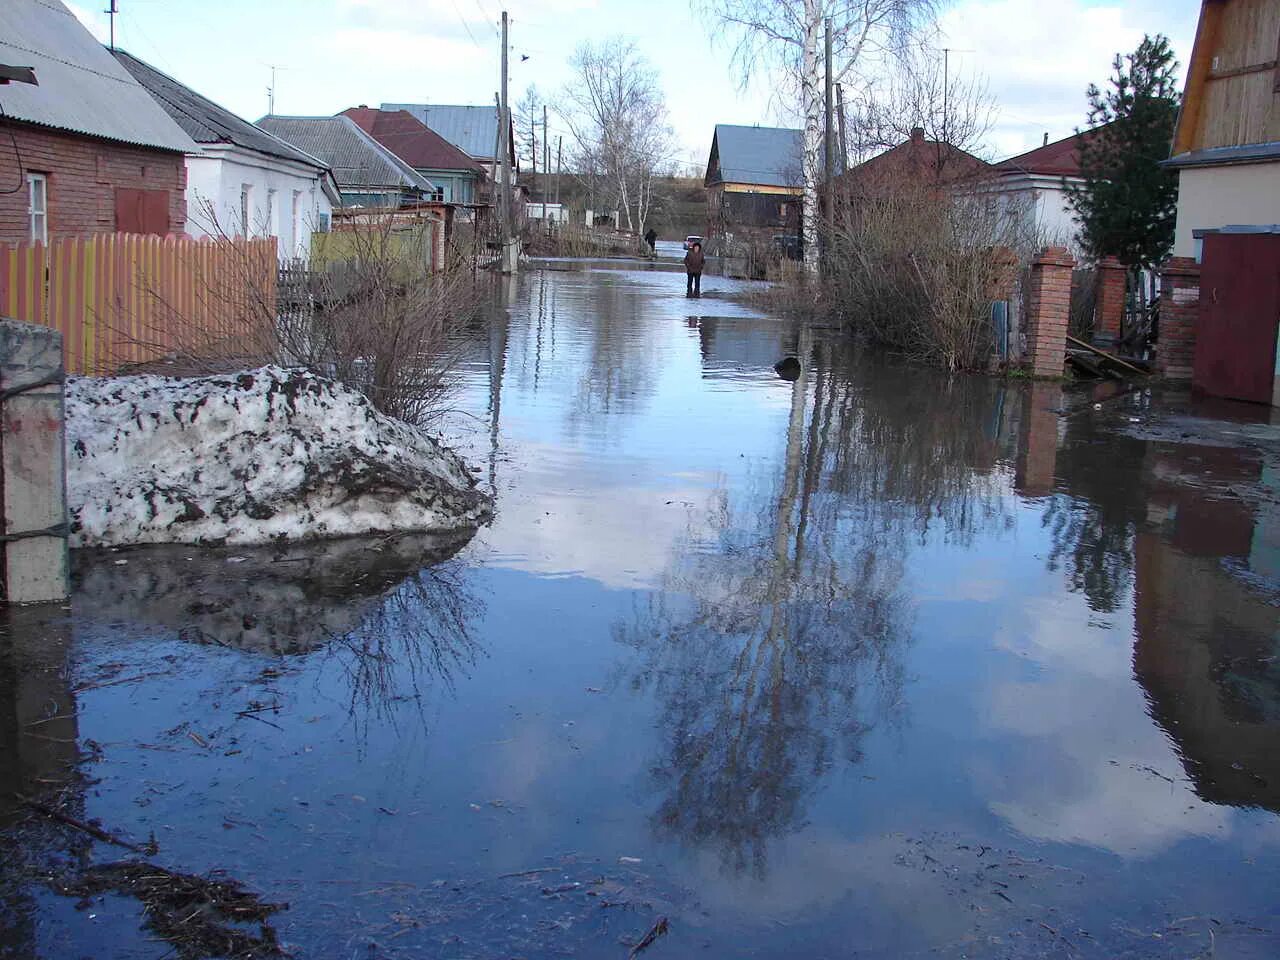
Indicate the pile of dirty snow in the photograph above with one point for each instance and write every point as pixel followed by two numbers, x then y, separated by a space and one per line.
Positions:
pixel 263 455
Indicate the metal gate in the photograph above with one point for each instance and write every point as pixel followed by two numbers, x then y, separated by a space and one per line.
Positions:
pixel 1235 353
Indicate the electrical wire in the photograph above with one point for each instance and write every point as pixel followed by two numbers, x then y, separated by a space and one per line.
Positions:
pixel 22 180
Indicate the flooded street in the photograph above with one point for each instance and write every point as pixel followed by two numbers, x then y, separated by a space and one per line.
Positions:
pixel 872 662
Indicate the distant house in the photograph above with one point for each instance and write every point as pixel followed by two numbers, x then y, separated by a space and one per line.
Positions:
pixel 242 180
pixel 1226 148
pixel 86 150
pixel 753 182
pixel 916 161
pixel 456 175
pixel 473 130
pixel 367 173
pixel 1037 185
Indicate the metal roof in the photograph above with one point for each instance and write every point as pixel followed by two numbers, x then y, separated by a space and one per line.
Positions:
pixel 1214 156
pixel 356 159
pixel 473 130
pixel 81 86
pixel 762 156
pixel 411 140
pixel 203 120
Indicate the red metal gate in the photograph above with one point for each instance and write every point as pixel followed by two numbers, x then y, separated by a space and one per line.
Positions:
pixel 1239 316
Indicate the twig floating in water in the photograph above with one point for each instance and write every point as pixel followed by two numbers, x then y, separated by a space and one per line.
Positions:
pixel 96 832
pixel 527 873
pixel 659 929
pixel 111 683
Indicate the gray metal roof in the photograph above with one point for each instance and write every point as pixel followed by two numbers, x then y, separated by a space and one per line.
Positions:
pixel 1213 156
pixel 205 121
pixel 81 86
pixel 356 159
pixel 473 130
pixel 764 156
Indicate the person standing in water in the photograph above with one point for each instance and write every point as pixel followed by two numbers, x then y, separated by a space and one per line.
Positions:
pixel 651 238
pixel 694 261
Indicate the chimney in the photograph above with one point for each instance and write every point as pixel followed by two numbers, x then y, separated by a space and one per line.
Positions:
pixel 1046 139
pixel 917 134
pixel 365 106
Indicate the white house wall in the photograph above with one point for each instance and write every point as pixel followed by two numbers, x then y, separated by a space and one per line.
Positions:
pixel 216 178
pixel 1220 196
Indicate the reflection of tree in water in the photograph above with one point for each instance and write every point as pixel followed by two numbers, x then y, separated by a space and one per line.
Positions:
pixel 1092 527
pixel 774 655
pixel 389 612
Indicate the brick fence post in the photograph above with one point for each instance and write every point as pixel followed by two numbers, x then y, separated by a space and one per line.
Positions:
pixel 1179 307
pixel 1108 311
pixel 1049 311
pixel 1037 457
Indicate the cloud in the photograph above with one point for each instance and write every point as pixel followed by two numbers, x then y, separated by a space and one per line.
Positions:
pixel 1038 58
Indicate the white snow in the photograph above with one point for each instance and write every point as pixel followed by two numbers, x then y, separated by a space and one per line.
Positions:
pixel 264 455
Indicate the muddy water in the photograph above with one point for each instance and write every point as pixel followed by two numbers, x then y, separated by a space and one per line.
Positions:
pixel 872 662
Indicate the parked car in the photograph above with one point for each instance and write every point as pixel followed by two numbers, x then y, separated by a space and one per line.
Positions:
pixel 689 241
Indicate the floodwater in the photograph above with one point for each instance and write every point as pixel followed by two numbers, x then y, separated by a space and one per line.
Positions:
pixel 873 662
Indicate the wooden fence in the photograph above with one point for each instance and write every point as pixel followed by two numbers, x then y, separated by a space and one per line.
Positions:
pixel 122 300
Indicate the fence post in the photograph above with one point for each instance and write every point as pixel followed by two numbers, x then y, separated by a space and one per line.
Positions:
pixel 1179 306
pixel 1108 310
pixel 33 503
pixel 1049 311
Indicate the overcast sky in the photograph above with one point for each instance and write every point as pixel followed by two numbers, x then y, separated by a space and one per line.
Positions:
pixel 1036 56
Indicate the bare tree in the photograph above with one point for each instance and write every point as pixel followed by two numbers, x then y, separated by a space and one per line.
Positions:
pixel 526 116
pixel 918 92
pixel 617 119
pixel 788 34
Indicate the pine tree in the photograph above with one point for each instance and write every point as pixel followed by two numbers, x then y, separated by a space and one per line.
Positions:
pixel 1128 202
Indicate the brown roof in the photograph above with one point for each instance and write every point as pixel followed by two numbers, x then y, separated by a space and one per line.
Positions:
pixel 918 160
pixel 411 140
pixel 1057 159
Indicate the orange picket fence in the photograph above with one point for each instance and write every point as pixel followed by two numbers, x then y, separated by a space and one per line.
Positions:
pixel 122 300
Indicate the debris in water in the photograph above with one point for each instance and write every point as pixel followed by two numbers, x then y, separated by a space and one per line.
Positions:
pixel 659 929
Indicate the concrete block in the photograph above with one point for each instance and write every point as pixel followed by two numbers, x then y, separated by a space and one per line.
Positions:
pixel 32 464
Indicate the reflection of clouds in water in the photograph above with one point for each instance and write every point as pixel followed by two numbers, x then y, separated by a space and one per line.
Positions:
pixel 1087 765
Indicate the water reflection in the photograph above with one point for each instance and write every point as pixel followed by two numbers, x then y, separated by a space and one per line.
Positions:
pixel 778 642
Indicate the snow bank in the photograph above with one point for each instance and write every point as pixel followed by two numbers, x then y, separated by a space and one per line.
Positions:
pixel 258 456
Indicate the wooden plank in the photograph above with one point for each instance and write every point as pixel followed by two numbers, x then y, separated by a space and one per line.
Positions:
pixel 1103 353
pixel 1187 133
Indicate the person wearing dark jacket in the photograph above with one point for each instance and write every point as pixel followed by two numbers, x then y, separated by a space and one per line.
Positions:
pixel 651 238
pixel 694 261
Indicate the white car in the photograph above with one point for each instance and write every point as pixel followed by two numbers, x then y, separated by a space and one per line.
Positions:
pixel 690 241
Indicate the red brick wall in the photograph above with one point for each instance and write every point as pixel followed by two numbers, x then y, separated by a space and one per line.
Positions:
pixel 83 174
pixel 1049 311
pixel 1038 440
pixel 1179 306
pixel 1108 312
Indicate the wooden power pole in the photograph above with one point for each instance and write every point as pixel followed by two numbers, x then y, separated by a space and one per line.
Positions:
pixel 546 166
pixel 510 252
pixel 559 154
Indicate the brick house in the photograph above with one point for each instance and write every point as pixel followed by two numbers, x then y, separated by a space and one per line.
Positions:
pixel 85 150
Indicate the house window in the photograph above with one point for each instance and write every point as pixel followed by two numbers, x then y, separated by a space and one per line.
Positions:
pixel 246 207
pixel 273 214
pixel 38 206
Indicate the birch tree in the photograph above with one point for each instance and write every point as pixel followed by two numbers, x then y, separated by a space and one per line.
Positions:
pixel 787 35
pixel 617 118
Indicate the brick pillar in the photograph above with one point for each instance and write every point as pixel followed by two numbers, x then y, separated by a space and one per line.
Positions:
pixel 1038 440
pixel 1108 311
pixel 1179 306
pixel 1049 311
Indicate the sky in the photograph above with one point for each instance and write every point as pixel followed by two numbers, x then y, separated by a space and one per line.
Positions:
pixel 1036 57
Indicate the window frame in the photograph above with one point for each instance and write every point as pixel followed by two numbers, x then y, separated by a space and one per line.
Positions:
pixel 43 213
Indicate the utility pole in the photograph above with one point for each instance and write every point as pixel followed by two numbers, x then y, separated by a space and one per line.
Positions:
pixel 111 12
pixel 559 154
pixel 271 93
pixel 844 143
pixel 829 205
pixel 510 252
pixel 546 166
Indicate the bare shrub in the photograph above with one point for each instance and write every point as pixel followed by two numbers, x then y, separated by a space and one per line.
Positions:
pixel 915 268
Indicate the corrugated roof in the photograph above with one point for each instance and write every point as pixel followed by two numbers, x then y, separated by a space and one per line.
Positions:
pixel 411 140
pixel 1058 159
pixel 203 120
pixel 763 156
pixel 917 160
pixel 356 159
pixel 473 130
pixel 81 86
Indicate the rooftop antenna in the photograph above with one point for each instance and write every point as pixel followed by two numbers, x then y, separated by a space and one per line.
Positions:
pixel 111 12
